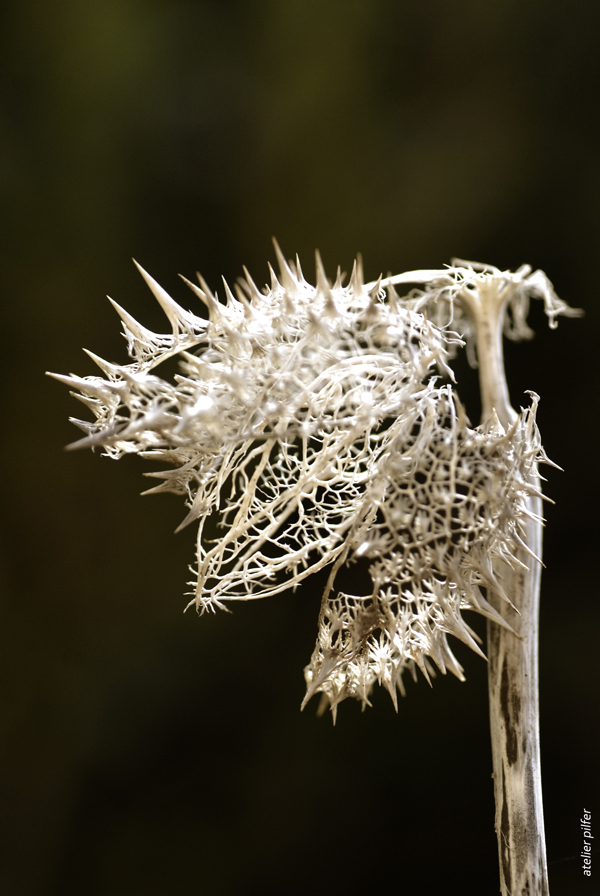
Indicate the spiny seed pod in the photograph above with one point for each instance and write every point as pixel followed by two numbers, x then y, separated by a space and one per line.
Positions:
pixel 307 422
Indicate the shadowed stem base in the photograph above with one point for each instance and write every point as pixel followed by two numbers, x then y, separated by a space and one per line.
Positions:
pixel 514 723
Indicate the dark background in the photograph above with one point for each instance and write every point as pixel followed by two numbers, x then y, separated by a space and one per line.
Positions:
pixel 146 752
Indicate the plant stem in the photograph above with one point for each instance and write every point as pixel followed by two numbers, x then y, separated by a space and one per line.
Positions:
pixel 513 658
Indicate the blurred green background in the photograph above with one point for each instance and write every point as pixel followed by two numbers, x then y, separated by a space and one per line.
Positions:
pixel 146 752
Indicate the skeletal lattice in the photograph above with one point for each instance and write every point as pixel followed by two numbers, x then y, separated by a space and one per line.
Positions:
pixel 309 427
pixel 445 503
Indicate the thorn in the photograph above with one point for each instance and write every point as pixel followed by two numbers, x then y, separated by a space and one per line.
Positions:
pixel 323 704
pixel 175 314
pixel 391 689
pixel 137 330
pixel 102 392
pixel 461 411
pixel 205 295
pixel 492 582
pixel 493 426
pixel 84 425
pixel 229 296
pixel 400 684
pixel 374 293
pixel 527 549
pixel 329 665
pixel 481 605
pixel 248 311
pixel 90 441
pixel 339 278
pixel 458 628
pixel 550 463
pixel 421 664
pixel 275 284
pixel 357 280
pixel 371 312
pixel 253 290
pixel 289 282
pixel 206 289
pixel 299 273
pixel 105 366
pixel 323 286
pixel 322 281
pixel 90 403
pixel 451 661
pixel 436 654
pixel 393 298
pixel 191 516
pixel 155 490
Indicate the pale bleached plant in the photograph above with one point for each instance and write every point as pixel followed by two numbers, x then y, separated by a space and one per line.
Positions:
pixel 311 425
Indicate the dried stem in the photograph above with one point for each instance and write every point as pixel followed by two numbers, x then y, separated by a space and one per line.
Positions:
pixel 513 658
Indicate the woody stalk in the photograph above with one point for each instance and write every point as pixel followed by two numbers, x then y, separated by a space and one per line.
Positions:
pixel 513 655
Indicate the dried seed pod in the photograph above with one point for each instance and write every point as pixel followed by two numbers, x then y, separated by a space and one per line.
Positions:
pixel 308 423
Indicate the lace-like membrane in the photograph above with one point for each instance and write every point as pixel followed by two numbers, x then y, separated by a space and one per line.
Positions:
pixel 445 504
pixel 308 423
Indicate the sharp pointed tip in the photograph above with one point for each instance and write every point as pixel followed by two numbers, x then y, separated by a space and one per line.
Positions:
pixel 289 281
pixel 229 296
pixel 191 516
pixel 72 381
pixel 205 297
pixel 105 366
pixel 357 280
pixel 119 309
pixel 174 313
pixel 147 277
pixel 310 693
pixel 374 292
pixel 203 293
pixel 275 284
pixel 280 256
pixel 206 288
pixel 129 322
pixel 322 281
pixel 80 443
pixel 253 290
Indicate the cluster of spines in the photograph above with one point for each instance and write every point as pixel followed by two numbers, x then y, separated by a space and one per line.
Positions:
pixel 419 591
pixel 291 310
